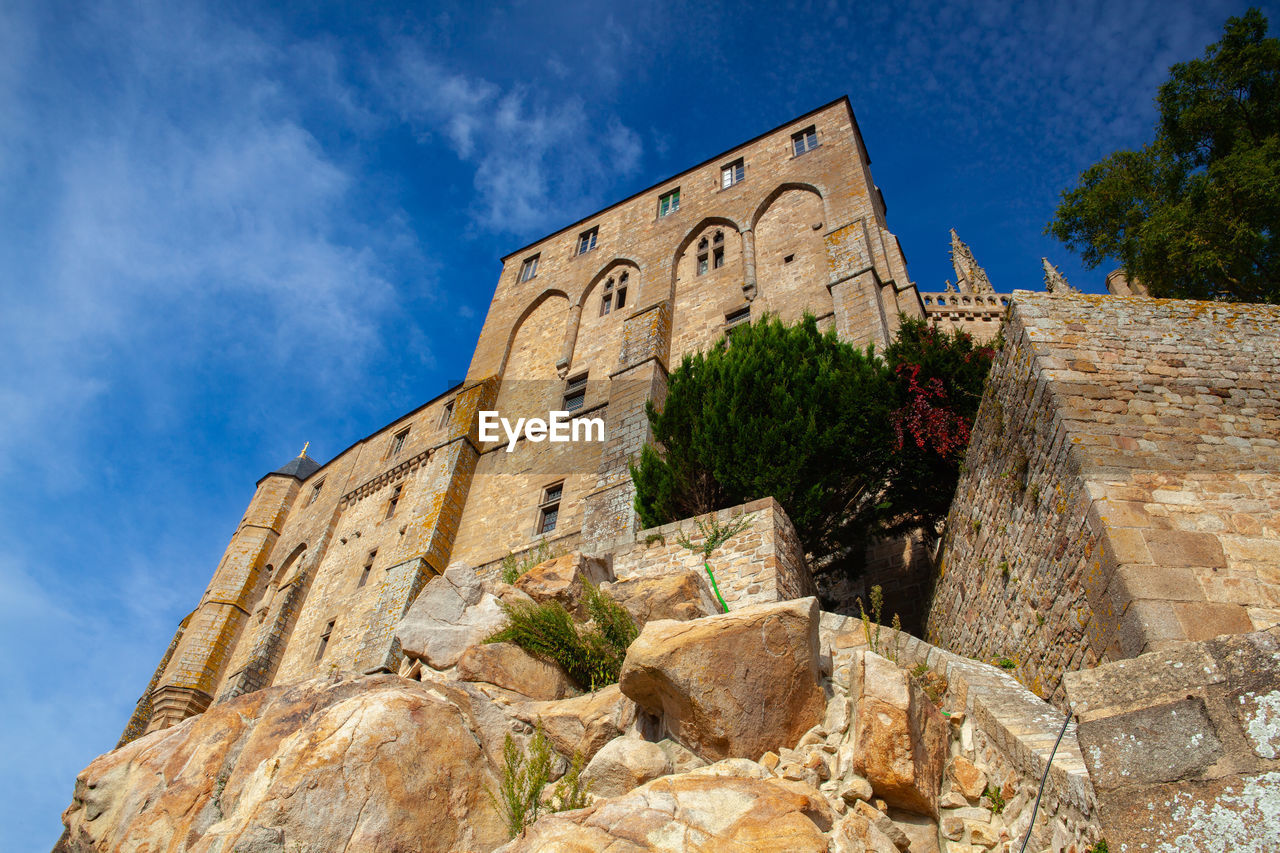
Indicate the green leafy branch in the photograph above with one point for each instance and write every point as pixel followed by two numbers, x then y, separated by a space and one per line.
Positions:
pixel 714 534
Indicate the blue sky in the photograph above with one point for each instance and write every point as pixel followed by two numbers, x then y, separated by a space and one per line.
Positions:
pixel 227 229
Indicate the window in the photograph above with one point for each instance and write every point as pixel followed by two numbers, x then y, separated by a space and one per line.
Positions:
pixel 788 259
pixel 315 492
pixel 395 499
pixel 711 253
pixel 529 268
pixel 615 293
pixel 397 443
pixel 324 639
pixel 575 393
pixel 669 203
pixel 736 320
pixel 731 174
pixel 549 509
pixel 587 240
pixel 368 567
pixel 805 140
pixel 446 415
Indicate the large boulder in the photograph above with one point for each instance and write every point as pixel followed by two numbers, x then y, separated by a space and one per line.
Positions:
pixel 582 724
pixel 370 764
pixel 693 812
pixel 899 738
pixel 564 579
pixel 623 764
pixel 737 684
pixel 508 666
pixel 451 614
pixel 678 595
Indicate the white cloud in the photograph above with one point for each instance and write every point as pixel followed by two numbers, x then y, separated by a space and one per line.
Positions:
pixel 536 156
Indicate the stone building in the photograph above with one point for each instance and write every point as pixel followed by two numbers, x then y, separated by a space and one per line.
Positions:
pixel 589 320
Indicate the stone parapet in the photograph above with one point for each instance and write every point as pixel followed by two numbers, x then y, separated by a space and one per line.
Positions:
pixel 762 563
pixel 1183 745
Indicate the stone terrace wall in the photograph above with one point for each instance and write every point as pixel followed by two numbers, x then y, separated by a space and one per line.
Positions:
pixel 761 564
pixel 1122 489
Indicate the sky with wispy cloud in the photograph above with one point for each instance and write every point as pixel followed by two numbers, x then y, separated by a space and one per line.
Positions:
pixel 229 228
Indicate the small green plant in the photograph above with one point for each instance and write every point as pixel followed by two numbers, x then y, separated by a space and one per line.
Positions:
pixel 877 602
pixel 513 567
pixel 592 657
pixel 1004 569
pixel 1039 620
pixel 654 539
pixel 714 534
pixel 1100 846
pixel 976 524
pixel 997 799
pixel 519 798
pixel 1005 663
pixel 1034 492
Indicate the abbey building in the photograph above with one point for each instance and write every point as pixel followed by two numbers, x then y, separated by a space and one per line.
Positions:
pixel 587 320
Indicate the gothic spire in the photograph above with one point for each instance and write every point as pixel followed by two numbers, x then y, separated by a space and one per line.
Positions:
pixel 1054 281
pixel 970 277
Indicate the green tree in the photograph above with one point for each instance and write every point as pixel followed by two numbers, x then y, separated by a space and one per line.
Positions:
pixel 1196 213
pixel 784 411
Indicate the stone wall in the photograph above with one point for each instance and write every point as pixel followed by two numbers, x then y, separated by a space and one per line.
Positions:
pixel 762 563
pixel 1122 488
pixel 1183 745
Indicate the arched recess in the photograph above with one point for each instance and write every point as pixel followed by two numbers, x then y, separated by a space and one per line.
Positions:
pixel 530 382
pixel 785 187
pixel 290 567
pixel 708 273
pixel 691 237
pixel 598 337
pixel 540 300
pixel 791 265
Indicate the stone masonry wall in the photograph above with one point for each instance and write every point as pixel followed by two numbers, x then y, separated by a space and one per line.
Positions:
pixel 763 563
pixel 1122 487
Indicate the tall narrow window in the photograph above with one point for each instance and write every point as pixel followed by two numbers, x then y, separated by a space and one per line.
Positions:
pixel 731 174
pixel 587 240
pixel 397 443
pixel 549 509
pixel 315 492
pixel 575 393
pixel 717 251
pixel 805 140
pixel 621 299
pixel 606 300
pixel 324 639
pixel 529 268
pixel 702 256
pixel 368 567
pixel 669 203
pixel 446 415
pixel 395 499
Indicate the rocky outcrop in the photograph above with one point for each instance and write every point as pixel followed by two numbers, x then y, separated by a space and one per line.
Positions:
pixel 695 811
pixel 582 724
pixel 375 763
pixel 899 738
pixel 510 667
pixel 625 763
pixel 563 579
pixel 735 684
pixel 678 595
pixel 452 613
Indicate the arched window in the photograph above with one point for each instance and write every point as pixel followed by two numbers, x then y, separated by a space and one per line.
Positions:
pixel 615 295
pixel 702 256
pixel 717 251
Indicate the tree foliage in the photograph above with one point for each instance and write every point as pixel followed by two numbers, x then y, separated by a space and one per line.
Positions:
pixel 938 379
pixel 783 411
pixel 1196 213
pixel 850 444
